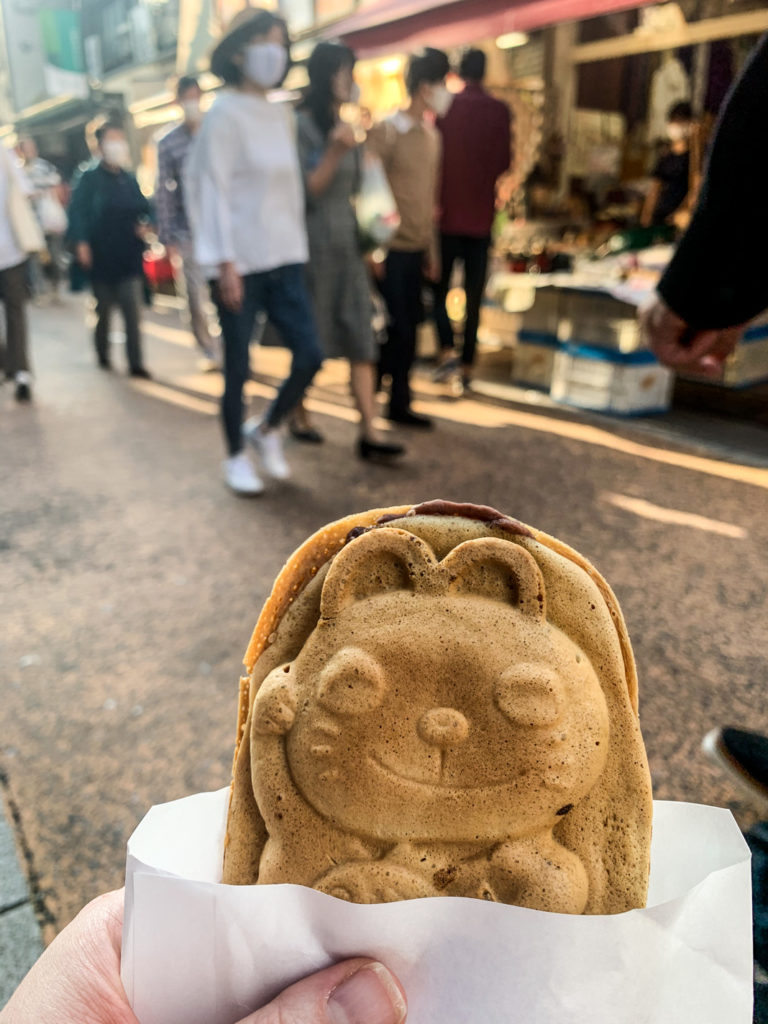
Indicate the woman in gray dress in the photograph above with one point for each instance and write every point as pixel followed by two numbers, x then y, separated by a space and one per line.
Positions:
pixel 338 281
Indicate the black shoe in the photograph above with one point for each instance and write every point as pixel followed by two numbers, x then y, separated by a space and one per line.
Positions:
pixel 23 392
pixel 141 373
pixel 105 363
pixel 407 418
pixel 306 434
pixel 378 450
pixel 744 755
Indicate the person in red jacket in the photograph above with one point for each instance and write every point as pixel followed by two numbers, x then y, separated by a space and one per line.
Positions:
pixel 477 149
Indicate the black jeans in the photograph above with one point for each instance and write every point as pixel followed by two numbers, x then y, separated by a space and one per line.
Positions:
pixel 281 294
pixel 473 252
pixel 13 295
pixel 127 294
pixel 401 289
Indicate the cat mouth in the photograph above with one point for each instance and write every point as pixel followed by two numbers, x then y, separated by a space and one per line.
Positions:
pixel 435 782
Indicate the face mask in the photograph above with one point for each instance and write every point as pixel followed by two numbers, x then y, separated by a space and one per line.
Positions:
pixel 440 100
pixel 116 152
pixel 264 64
pixel 677 132
pixel 192 112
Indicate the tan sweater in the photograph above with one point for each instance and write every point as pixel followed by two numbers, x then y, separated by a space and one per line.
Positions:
pixel 410 151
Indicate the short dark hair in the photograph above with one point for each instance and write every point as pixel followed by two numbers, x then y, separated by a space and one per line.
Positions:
pixel 680 112
pixel 184 84
pixel 472 67
pixel 426 66
pixel 262 21
pixel 108 126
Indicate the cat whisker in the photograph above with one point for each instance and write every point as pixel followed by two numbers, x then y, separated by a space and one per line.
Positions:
pixel 320 749
pixel 328 727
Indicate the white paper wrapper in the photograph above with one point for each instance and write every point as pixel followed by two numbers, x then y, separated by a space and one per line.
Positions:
pixel 199 952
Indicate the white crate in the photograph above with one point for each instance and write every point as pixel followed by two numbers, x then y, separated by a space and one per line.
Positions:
pixel 534 360
pixel 594 318
pixel 631 384
pixel 544 315
pixel 747 364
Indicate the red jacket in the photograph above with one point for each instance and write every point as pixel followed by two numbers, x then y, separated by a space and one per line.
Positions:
pixel 477 148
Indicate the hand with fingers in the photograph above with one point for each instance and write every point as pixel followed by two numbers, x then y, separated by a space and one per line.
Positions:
pixel 681 347
pixel 77 981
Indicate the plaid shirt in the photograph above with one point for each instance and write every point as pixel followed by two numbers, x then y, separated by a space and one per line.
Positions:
pixel 172 151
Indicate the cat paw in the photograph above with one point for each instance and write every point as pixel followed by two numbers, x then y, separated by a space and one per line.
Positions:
pixel 377 882
pixel 274 709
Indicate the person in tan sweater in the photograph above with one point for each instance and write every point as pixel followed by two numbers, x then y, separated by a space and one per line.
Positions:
pixel 409 147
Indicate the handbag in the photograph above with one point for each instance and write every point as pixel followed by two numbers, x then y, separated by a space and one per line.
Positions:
pixel 377 215
pixel 53 217
pixel 24 224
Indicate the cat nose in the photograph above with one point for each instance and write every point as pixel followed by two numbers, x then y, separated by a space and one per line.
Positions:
pixel 443 727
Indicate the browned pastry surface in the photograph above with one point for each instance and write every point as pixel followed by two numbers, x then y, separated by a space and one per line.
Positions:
pixel 441 700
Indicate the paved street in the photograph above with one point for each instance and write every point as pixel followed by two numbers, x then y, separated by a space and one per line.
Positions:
pixel 131 579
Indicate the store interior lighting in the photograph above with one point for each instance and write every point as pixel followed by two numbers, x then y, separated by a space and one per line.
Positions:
pixel 512 39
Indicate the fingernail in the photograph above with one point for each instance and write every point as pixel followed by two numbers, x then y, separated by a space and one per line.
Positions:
pixel 371 996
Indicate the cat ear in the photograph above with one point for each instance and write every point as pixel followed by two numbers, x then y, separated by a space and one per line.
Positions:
pixel 379 561
pixel 497 569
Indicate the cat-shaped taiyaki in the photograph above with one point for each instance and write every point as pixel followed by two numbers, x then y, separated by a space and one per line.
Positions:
pixel 444 707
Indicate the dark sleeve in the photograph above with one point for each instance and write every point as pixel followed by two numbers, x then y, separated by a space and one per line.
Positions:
pixel 78 211
pixel 719 276
pixel 143 205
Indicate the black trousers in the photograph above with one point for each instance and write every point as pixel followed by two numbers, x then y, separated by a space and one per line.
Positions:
pixel 126 295
pixel 473 253
pixel 401 289
pixel 14 295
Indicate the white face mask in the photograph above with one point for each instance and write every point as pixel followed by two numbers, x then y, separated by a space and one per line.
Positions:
pixel 440 100
pixel 677 132
pixel 116 152
pixel 264 64
pixel 192 112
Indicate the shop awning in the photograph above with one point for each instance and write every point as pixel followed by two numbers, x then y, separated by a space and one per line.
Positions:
pixel 384 26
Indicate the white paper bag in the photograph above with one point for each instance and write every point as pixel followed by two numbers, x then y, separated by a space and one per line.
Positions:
pixel 199 952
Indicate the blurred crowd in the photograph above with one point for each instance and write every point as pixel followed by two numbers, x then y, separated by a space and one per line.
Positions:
pixel 303 217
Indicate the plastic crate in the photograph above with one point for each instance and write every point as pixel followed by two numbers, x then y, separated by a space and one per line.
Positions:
pixel 626 384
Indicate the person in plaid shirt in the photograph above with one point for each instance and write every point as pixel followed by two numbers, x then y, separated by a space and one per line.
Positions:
pixel 172 222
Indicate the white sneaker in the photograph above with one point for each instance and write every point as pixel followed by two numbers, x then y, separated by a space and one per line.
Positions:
pixel 241 476
pixel 269 446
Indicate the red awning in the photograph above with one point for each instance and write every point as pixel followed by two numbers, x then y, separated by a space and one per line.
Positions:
pixel 384 26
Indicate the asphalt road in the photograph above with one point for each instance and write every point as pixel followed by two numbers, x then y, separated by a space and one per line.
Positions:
pixel 131 578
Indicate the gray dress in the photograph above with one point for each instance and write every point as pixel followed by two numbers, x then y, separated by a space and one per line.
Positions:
pixel 337 277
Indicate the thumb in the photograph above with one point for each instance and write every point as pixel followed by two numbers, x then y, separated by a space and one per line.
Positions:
pixel 352 992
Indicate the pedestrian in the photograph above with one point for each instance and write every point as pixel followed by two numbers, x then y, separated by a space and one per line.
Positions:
pixel 409 147
pixel 246 201
pixel 477 149
pixel 338 280
pixel 671 183
pixel 108 220
pixel 172 221
pixel 14 292
pixel 694 323
pixel 77 979
pixel 45 183
pixel 706 295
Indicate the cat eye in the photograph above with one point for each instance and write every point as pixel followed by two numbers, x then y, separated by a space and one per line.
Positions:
pixel 351 683
pixel 530 695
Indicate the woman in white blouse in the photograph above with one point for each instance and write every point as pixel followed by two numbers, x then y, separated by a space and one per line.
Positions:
pixel 246 204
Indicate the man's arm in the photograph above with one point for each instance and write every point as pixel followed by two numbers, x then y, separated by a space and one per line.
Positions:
pixel 718 277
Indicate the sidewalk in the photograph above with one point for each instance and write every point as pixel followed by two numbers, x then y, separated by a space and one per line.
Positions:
pixel 20 940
